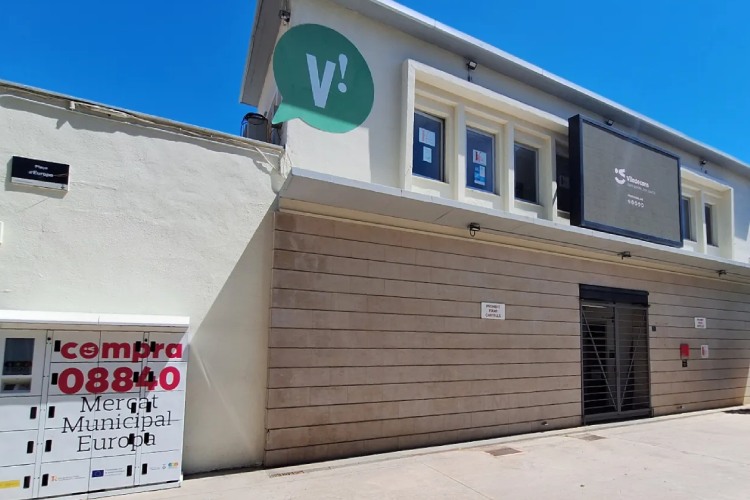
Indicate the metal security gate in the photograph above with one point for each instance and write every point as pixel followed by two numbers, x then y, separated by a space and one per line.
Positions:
pixel 614 354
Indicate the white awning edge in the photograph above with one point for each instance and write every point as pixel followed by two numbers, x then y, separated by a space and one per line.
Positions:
pixel 50 320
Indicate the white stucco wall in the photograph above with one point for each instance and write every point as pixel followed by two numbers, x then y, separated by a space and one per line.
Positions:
pixel 371 152
pixel 154 222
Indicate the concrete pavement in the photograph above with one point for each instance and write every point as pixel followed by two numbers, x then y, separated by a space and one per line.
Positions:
pixel 699 455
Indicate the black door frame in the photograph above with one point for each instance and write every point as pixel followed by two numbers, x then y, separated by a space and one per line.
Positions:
pixel 612 297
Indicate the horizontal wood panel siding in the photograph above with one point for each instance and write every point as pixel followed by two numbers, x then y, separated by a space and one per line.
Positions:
pixel 376 341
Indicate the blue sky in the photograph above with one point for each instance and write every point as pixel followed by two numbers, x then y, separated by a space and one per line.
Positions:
pixel 683 63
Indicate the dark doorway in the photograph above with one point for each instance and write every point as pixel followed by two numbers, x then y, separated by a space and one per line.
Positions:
pixel 614 354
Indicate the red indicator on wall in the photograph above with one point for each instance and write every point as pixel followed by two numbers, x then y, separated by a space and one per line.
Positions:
pixel 684 351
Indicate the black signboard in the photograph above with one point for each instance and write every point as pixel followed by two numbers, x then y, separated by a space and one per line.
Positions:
pixel 622 185
pixel 39 173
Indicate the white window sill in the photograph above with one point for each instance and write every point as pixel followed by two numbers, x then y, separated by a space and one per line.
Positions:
pixel 430 187
pixel 528 209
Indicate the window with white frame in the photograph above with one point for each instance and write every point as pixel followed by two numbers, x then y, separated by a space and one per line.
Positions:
pixel 526 167
pixel 531 173
pixel 706 215
pixel 480 160
pixel 709 217
pixel 686 218
pixel 484 137
pixel 428 146
pixel 470 144
pixel 495 152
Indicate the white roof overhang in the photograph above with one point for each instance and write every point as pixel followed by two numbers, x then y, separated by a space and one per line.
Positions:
pixel 399 205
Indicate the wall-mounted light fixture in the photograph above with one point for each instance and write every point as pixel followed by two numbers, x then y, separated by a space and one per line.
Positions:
pixel 703 162
pixel 609 122
pixel 474 228
pixel 721 272
pixel 285 16
pixel 471 65
pixel 624 255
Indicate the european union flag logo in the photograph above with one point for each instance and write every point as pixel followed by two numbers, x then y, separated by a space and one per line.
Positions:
pixel 97 473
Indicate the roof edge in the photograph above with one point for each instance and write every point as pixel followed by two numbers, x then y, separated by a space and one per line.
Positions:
pixel 93 108
pixel 265 31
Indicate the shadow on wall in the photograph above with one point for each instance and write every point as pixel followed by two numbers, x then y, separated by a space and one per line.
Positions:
pixel 741 209
pixel 741 224
pixel 103 124
pixel 225 408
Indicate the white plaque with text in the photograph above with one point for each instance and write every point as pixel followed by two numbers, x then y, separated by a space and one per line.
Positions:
pixel 492 310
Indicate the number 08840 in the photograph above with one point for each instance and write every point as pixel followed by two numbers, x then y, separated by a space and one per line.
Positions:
pixel 122 379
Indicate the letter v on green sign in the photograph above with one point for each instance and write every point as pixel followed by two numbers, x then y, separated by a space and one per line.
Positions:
pixel 323 79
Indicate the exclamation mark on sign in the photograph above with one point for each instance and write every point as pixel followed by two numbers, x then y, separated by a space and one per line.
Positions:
pixel 343 61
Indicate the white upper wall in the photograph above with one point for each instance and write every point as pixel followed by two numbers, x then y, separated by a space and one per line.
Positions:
pixel 372 152
pixel 155 222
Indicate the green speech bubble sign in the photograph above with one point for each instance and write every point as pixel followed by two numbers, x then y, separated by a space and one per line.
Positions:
pixel 323 79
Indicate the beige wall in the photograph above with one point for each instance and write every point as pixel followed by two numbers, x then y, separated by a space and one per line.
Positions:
pixel 376 342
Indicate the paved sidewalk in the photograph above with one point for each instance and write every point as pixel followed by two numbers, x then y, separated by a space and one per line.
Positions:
pixel 701 455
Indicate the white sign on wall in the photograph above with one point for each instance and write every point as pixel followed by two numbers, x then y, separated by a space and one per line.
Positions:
pixel 704 351
pixel 700 323
pixel 492 310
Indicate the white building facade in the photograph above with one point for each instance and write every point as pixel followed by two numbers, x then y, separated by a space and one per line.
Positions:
pixel 163 227
pixel 412 265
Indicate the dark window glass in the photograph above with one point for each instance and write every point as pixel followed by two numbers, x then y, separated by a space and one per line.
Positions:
pixel 480 160
pixel 19 354
pixel 427 158
pixel 526 173
pixel 563 183
pixel 685 220
pixel 710 226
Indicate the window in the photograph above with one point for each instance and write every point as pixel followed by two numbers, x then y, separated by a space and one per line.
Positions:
pixel 562 173
pixel 17 365
pixel 710 223
pixel 686 219
pixel 427 159
pixel 711 237
pixel 459 143
pixel 480 160
pixel 526 167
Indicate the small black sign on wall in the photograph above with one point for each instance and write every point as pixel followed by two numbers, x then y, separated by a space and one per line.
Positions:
pixel 39 173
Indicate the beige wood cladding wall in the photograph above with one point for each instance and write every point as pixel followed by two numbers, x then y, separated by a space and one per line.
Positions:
pixel 376 342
